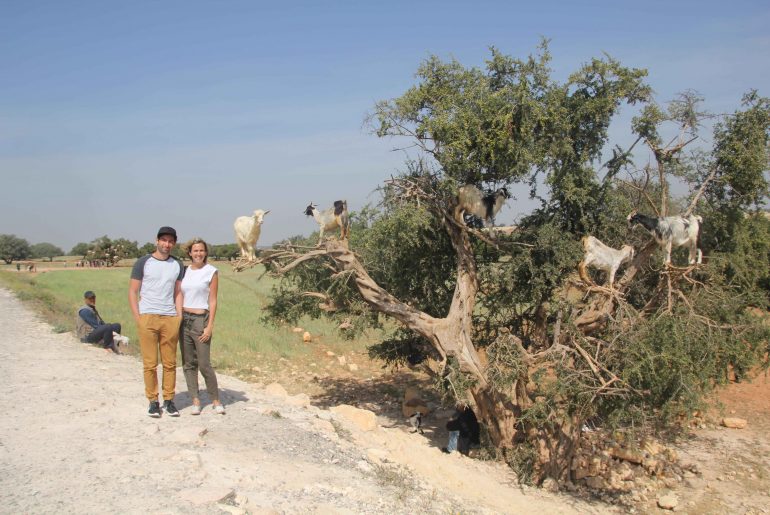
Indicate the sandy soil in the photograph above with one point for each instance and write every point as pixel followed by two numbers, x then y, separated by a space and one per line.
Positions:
pixel 75 438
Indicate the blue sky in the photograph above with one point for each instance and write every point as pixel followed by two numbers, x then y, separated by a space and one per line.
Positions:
pixel 119 117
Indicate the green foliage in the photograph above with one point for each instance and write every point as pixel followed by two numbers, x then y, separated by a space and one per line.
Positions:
pixel 45 250
pixel 454 384
pixel 13 248
pixel 224 252
pixel 79 249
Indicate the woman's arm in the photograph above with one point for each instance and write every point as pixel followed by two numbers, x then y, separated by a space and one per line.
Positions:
pixel 213 289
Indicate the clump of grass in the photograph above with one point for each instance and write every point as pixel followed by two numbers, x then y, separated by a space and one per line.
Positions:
pixel 396 478
pixel 59 328
pixel 275 414
pixel 343 433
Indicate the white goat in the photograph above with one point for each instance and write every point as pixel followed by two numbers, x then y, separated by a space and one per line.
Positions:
pixel 599 255
pixel 328 219
pixel 672 231
pixel 247 230
pixel 470 201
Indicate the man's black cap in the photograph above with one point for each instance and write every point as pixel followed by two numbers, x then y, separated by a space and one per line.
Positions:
pixel 89 295
pixel 167 230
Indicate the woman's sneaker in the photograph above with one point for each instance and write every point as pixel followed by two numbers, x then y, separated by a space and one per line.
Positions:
pixel 196 409
pixel 219 409
pixel 170 409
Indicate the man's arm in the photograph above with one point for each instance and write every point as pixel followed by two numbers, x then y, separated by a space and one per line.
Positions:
pixel 178 298
pixel 133 297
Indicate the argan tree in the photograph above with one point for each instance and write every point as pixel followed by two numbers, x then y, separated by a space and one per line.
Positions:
pixel 45 250
pixel 497 317
pixel 13 248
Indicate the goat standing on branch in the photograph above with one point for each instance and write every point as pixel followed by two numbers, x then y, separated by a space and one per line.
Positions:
pixel 328 219
pixel 247 231
pixel 672 231
pixel 470 201
pixel 599 255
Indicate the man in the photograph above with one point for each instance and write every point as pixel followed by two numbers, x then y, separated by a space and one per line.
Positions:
pixel 155 297
pixel 91 328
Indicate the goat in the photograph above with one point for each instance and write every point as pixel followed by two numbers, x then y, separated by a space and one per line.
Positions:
pixel 414 408
pixel 328 219
pixel 599 255
pixel 247 230
pixel 470 201
pixel 672 231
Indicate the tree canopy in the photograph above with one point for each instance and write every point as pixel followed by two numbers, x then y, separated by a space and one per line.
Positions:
pixel 46 250
pixel 13 248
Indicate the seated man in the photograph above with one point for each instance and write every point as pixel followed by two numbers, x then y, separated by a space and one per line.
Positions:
pixel 92 329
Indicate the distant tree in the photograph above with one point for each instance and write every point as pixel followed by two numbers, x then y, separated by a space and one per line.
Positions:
pixel 130 249
pixel 13 248
pixel 46 250
pixel 147 248
pixel 80 249
pixel 111 251
pixel 226 251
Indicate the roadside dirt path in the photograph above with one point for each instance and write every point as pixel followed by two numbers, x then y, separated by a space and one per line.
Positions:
pixel 75 438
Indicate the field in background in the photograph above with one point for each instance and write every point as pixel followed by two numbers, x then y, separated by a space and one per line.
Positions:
pixel 244 346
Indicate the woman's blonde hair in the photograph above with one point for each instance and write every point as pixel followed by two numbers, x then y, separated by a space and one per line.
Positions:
pixel 189 245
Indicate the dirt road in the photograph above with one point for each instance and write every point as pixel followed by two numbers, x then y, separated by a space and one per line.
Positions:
pixel 75 438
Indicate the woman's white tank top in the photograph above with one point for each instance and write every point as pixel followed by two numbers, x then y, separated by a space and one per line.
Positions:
pixel 196 286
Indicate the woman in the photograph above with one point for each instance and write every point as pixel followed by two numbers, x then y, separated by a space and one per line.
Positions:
pixel 199 307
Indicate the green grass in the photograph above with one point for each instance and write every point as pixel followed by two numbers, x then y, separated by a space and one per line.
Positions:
pixel 241 340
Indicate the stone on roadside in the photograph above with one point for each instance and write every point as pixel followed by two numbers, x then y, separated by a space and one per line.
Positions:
pixel 276 390
pixel 341 360
pixel 363 466
pixel 300 400
pixel 627 455
pixel 363 419
pixel 307 337
pixel 352 367
pixel 735 422
pixel 550 485
pixel 668 501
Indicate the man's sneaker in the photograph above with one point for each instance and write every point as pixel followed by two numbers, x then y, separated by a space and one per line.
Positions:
pixel 170 409
pixel 196 409
pixel 154 410
pixel 219 409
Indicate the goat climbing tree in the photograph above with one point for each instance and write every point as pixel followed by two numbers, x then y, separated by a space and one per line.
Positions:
pixel 495 318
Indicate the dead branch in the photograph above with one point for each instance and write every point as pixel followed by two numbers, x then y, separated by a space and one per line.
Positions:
pixel 701 190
